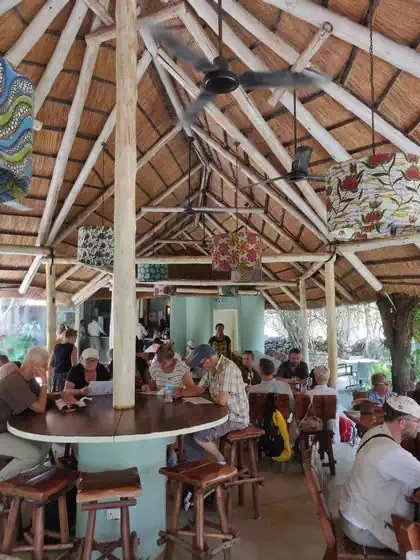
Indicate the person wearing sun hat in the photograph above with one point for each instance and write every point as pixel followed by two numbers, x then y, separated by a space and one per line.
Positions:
pixel 384 478
pixel 89 369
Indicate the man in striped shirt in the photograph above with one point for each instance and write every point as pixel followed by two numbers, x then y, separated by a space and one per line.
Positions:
pixel 224 381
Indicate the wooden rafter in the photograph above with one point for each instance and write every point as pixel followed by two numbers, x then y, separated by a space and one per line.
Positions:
pixel 100 10
pixel 6 5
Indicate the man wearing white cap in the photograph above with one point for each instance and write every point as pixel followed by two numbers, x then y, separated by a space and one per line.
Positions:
pixel 82 374
pixel 383 476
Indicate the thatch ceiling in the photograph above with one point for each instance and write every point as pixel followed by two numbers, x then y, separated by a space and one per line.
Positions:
pixel 397 95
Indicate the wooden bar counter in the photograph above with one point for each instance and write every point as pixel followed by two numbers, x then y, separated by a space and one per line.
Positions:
pixel 110 439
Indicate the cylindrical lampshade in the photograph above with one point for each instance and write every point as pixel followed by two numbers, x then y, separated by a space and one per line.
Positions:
pixel 163 290
pixel 376 196
pixel 228 291
pixel 236 249
pixel 153 273
pixel 96 246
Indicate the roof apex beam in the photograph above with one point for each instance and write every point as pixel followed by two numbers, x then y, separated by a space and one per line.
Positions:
pixel 344 28
pixel 100 11
pixel 6 5
pixel 346 99
pixel 364 272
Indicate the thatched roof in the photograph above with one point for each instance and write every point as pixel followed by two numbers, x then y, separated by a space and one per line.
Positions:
pixel 340 130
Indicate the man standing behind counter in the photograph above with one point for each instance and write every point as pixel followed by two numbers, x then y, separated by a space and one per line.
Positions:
pixel 19 391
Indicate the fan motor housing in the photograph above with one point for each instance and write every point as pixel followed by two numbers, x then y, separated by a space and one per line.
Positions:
pixel 220 81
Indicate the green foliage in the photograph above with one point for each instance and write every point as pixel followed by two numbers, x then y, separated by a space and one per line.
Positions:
pixel 15 346
pixel 416 327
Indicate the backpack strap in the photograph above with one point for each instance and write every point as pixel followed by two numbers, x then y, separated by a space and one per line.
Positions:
pixel 373 437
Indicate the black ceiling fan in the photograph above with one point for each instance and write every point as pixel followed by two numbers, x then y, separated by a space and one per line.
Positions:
pixel 218 79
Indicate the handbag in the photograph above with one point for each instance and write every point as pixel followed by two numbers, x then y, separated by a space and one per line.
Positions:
pixel 311 423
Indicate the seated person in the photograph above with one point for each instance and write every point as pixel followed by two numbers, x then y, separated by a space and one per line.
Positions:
pixel 379 393
pixel 383 476
pixel 294 368
pixel 89 369
pixel 322 377
pixel 268 382
pixel 224 381
pixel 247 369
pixel 19 391
pixel 3 359
pixel 166 369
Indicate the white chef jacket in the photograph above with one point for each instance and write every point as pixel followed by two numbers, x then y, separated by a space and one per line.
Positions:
pixel 383 475
pixel 95 329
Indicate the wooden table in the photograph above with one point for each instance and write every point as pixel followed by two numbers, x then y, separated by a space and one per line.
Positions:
pixel 111 439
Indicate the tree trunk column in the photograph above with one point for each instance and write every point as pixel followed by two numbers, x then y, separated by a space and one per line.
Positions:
pixel 304 320
pixel 125 207
pixel 51 309
pixel 331 321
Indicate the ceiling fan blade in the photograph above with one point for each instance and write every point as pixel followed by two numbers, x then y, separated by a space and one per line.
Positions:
pixel 319 178
pixel 283 79
pixel 179 50
pixel 196 107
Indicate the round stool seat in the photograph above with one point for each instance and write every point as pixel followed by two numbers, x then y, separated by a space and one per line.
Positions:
pixel 40 484
pixel 247 433
pixel 108 485
pixel 200 474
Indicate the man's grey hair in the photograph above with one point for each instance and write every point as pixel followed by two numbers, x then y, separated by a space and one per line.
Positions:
pixel 36 354
pixel 322 375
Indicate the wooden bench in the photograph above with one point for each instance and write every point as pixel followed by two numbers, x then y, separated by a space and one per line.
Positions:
pixel 408 534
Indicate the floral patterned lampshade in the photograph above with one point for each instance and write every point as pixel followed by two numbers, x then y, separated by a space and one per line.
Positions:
pixel 376 196
pixel 163 290
pixel 96 246
pixel 153 273
pixel 236 249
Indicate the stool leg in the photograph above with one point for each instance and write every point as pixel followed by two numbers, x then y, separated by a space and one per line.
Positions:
pixel 199 520
pixel 254 473
pixel 173 523
pixel 241 465
pixel 11 527
pixel 125 532
pixel 63 518
pixel 224 524
pixel 90 533
pixel 38 532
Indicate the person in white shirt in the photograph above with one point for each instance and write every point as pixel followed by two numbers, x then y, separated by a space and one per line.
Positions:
pixel 141 333
pixel 322 377
pixel 94 331
pixel 383 479
pixel 269 384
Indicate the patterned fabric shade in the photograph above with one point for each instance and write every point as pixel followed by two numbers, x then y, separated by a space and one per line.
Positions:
pixel 16 123
pixel 153 273
pixel 163 290
pixel 96 246
pixel 228 291
pixel 377 196
pixel 236 249
pixel 242 273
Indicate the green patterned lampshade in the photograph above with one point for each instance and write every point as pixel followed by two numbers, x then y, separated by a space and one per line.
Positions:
pixel 376 196
pixel 153 273
pixel 96 246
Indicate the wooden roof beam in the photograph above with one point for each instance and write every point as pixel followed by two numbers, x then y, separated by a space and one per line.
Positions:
pixel 253 114
pixel 26 250
pixel 369 245
pixel 252 175
pixel 90 209
pixel 56 63
pixel 100 11
pixel 6 5
pixel 203 185
pixel 325 138
pixel 364 272
pixel 344 28
pixel 98 282
pixel 346 99
pixel 305 57
pixel 106 132
pixel 301 256
pixel 34 31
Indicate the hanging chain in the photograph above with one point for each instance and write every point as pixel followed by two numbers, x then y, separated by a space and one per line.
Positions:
pixel 220 28
pixel 372 84
pixel 294 120
pixel 103 182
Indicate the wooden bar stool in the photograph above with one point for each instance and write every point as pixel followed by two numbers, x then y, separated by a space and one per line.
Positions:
pixel 202 476
pixel 241 441
pixel 39 486
pixel 119 488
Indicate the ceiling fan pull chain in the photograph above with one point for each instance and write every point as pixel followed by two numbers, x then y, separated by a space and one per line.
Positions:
pixel 220 28
pixel 372 84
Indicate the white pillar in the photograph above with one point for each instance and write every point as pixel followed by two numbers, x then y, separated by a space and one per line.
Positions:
pixel 125 207
pixel 112 322
pixel 331 321
pixel 51 309
pixel 304 321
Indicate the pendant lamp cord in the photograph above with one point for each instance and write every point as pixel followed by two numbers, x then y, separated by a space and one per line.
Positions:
pixel 294 120
pixel 372 84
pixel 103 183
pixel 220 22
pixel 190 141
pixel 236 190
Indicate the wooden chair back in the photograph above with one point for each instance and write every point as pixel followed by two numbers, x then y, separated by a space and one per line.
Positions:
pixel 323 406
pixel 408 534
pixel 324 516
pixel 360 395
pixel 258 402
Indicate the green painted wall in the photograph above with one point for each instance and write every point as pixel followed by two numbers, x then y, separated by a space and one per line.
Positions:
pixel 192 318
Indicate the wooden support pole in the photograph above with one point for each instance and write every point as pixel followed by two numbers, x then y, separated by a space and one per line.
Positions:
pixel 51 307
pixel 270 300
pixel 125 207
pixel 364 272
pixel 304 320
pixel 331 321
pixel 99 9
pixel 305 57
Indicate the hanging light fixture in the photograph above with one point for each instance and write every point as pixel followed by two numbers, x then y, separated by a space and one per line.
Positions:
pixel 377 195
pixel 95 246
